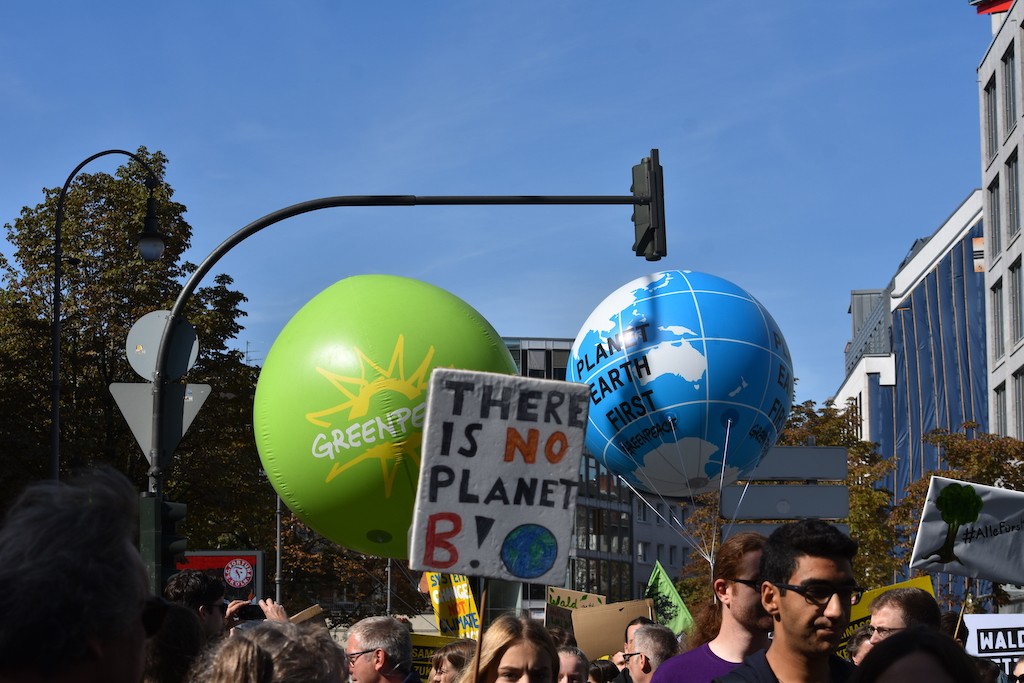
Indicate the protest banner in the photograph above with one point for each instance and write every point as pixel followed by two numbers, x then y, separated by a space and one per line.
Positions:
pixel 971 530
pixel 562 601
pixel 860 614
pixel 998 637
pixel 600 630
pixel 454 605
pixel 423 647
pixel 499 476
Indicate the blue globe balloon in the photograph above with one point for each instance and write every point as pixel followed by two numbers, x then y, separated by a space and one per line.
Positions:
pixel 690 379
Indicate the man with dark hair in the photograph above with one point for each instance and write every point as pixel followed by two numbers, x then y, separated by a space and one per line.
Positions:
pixel 573 665
pixel 808 589
pixel 202 593
pixel 652 645
pixel 73 589
pixel 733 624
pixel 379 650
pixel 900 608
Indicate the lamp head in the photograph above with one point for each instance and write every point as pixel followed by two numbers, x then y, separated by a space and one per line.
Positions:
pixel 150 241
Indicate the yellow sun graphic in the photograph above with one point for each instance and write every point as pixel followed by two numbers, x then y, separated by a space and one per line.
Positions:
pixel 359 391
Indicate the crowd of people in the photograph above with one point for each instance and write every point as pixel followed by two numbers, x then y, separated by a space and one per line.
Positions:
pixel 77 608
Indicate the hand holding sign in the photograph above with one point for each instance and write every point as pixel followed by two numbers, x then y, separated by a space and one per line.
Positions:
pixel 498 479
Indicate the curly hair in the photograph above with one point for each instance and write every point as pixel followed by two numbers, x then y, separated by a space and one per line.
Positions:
pixel 194 588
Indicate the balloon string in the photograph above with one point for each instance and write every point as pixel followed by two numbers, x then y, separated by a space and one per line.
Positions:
pixel 680 531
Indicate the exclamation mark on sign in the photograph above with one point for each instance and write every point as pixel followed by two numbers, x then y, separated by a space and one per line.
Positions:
pixel 483 527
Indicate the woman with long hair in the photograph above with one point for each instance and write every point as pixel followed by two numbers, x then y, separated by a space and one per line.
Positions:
pixel 514 650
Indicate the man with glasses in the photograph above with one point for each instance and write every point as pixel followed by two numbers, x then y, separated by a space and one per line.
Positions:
pixel 900 608
pixel 204 594
pixel 808 589
pixel 379 650
pixel 653 644
pixel 732 624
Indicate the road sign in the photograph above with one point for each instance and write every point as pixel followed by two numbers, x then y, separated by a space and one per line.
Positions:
pixel 143 343
pixel 785 502
pixel 181 404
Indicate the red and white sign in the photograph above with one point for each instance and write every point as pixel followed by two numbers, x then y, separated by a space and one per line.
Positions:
pixel 238 572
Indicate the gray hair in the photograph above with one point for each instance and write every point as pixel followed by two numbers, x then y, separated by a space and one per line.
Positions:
pixel 387 634
pixel 69 572
pixel 657 642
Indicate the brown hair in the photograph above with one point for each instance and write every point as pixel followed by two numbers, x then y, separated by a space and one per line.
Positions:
pixel 457 654
pixel 726 566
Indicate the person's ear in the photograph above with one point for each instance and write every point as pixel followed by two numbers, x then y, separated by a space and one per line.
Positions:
pixel 771 599
pixel 721 590
pixel 379 659
pixel 647 663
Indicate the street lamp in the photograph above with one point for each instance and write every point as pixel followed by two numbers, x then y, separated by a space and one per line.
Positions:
pixel 151 247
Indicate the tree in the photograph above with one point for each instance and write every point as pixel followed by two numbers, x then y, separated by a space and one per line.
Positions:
pixel 870 507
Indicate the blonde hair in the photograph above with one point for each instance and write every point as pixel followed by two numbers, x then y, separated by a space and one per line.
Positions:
pixel 504 632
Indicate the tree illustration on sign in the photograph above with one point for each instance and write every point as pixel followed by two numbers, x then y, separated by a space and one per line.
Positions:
pixel 958 504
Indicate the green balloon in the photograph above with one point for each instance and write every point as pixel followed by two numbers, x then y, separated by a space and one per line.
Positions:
pixel 340 403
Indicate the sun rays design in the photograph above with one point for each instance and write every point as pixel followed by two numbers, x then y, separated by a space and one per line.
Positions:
pixel 359 392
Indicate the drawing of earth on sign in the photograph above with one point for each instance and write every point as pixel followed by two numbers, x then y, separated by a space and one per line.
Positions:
pixel 529 551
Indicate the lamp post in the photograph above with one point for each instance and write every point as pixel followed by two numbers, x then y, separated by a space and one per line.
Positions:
pixel 151 247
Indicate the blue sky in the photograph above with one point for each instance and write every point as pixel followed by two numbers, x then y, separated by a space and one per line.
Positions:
pixel 805 144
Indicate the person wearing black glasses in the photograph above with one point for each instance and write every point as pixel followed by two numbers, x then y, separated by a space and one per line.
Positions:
pixel 379 650
pixel 808 588
pixel 730 625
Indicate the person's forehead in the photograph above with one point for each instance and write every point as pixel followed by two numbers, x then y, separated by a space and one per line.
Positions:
pixel 829 569
pixel 887 615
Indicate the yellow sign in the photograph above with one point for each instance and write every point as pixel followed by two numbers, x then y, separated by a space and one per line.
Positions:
pixel 423 647
pixel 454 606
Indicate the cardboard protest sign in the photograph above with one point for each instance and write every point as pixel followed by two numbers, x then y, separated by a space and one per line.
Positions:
pixel 999 637
pixel 971 530
pixel 562 601
pixel 566 597
pixel 860 614
pixel 454 606
pixel 600 630
pixel 499 476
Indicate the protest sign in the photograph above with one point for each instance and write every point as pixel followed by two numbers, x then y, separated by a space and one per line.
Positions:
pixel 499 476
pixel 860 614
pixel 423 647
pixel 600 630
pixel 454 606
pixel 971 530
pixel 999 637
pixel 566 597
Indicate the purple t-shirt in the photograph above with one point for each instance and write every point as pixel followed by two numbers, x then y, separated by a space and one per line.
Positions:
pixel 696 666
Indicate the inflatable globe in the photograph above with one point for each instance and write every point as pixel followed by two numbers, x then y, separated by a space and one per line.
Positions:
pixel 340 402
pixel 690 382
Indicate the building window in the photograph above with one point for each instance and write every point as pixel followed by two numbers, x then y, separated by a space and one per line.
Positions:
pixel 1012 195
pixel 998 342
pixel 1018 403
pixel 991 114
pixel 999 410
pixel 660 511
pixel 672 554
pixel 641 551
pixel 1009 89
pixel 995 224
pixel 641 509
pixel 1016 302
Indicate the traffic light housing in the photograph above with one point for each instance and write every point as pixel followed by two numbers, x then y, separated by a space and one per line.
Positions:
pixel 649 211
pixel 160 542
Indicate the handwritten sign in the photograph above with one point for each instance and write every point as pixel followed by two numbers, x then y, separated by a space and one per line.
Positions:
pixel 499 476
pixel 971 530
pixel 454 606
pixel 566 597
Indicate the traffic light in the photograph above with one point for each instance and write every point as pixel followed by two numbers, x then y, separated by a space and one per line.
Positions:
pixel 172 543
pixel 649 214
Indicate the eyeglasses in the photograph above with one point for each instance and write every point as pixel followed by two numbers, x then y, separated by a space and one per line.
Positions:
pixel 353 656
pixel 883 632
pixel 154 609
pixel 627 655
pixel 753 583
pixel 820 594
